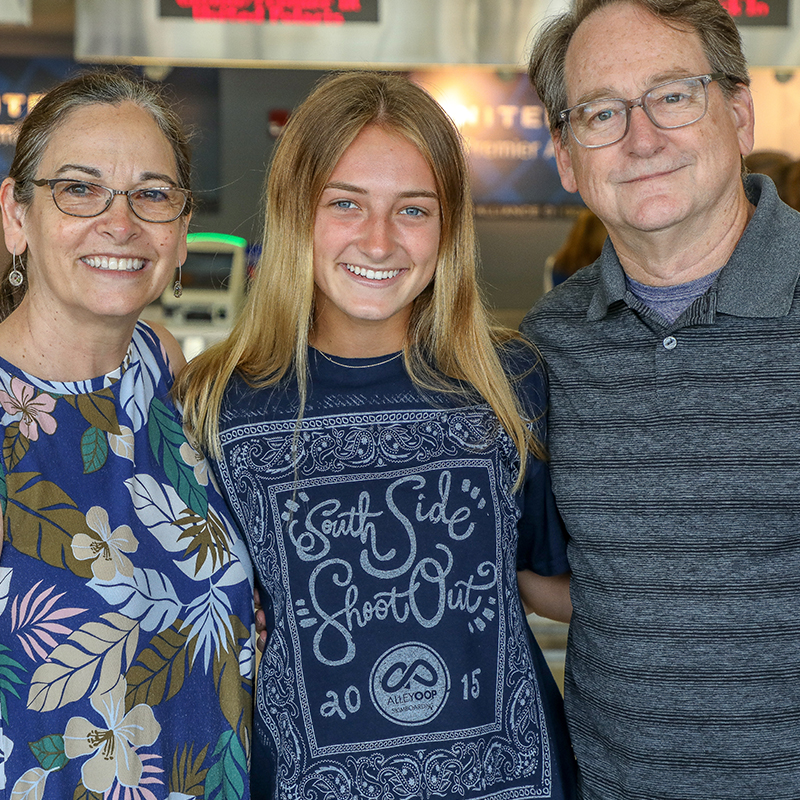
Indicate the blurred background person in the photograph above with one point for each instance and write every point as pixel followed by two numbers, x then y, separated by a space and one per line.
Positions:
pixel 581 247
pixel 790 191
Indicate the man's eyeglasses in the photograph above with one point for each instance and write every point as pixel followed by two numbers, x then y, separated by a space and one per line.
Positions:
pixel 85 199
pixel 674 104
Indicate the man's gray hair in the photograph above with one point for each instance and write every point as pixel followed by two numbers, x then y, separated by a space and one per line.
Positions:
pixel 707 18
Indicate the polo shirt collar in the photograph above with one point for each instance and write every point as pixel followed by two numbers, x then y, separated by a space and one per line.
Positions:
pixel 759 279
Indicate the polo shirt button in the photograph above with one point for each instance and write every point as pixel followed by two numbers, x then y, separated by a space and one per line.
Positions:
pixel 670 343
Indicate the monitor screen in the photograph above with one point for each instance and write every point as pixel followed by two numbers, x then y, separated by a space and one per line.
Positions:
pixel 207 270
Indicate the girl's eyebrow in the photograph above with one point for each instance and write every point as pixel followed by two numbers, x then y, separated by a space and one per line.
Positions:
pixel 420 193
pixel 349 187
pixel 345 187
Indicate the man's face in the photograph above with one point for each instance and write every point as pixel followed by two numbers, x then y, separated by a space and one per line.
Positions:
pixel 653 179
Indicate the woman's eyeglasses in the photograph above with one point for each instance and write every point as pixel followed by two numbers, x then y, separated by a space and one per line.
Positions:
pixel 85 199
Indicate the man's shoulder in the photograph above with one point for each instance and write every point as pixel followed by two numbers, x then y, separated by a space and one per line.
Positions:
pixel 568 301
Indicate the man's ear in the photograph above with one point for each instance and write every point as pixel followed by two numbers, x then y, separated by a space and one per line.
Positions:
pixel 564 163
pixel 741 108
pixel 13 218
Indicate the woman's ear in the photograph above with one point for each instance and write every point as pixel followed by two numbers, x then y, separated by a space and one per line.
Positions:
pixel 183 251
pixel 13 217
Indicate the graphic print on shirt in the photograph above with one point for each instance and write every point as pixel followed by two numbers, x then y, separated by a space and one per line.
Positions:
pixel 399 557
pixel 390 560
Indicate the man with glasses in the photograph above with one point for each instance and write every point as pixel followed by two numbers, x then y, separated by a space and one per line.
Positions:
pixel 674 366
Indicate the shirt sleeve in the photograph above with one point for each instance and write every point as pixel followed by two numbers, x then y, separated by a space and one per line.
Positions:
pixel 542 545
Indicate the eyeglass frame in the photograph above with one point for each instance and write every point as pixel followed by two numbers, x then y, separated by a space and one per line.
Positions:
pixel 639 103
pixel 51 182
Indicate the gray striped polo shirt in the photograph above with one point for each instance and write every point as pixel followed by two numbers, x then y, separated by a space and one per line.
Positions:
pixel 676 466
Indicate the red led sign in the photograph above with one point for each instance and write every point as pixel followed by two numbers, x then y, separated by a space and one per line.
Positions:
pixel 293 12
pixel 758 12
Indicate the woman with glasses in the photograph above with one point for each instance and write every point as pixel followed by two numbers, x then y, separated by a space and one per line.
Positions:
pixel 126 610
pixel 380 445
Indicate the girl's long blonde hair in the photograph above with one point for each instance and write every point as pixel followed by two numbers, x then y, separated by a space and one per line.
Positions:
pixel 449 344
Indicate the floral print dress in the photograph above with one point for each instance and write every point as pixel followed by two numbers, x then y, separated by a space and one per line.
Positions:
pixel 126 607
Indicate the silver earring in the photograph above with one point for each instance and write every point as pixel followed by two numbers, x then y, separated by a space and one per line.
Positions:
pixel 15 277
pixel 177 288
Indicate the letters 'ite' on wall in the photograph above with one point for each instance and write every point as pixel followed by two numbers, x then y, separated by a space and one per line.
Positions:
pixel 195 92
pixel 504 126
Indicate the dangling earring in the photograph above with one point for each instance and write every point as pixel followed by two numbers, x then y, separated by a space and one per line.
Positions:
pixel 15 277
pixel 177 289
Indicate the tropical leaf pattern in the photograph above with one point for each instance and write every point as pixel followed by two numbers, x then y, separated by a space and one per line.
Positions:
pixel 139 384
pixel 15 445
pixel 227 777
pixel 204 545
pixel 188 775
pixel 94 656
pixel 99 411
pixel 10 679
pixel 166 437
pixel 122 445
pixel 36 619
pixel 5 585
pixel 6 749
pixel 205 536
pixel 208 621
pixel 94 449
pixel 160 669
pixel 148 596
pixel 31 785
pixel 232 687
pixel 49 752
pixel 82 793
pixel 42 519
pixel 126 613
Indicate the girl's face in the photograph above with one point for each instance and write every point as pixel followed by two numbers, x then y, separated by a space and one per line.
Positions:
pixel 376 244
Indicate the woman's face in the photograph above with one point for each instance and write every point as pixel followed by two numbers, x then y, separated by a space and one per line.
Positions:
pixel 376 242
pixel 112 265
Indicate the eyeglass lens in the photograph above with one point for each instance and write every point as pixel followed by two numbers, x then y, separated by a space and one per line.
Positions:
pixel 81 199
pixel 672 105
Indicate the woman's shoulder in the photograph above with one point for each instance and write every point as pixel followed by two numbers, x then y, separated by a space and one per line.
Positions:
pixel 167 344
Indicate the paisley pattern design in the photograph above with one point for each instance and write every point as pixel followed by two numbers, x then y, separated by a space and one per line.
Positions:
pixel 126 615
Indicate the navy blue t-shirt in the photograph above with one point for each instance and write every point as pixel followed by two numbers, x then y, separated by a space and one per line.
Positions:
pixel 384 533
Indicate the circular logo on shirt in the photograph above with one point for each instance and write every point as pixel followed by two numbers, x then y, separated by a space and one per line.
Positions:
pixel 409 684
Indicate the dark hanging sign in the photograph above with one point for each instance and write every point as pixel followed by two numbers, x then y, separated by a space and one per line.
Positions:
pixel 758 12
pixel 291 12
